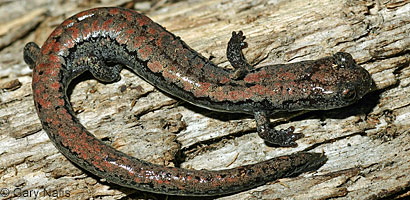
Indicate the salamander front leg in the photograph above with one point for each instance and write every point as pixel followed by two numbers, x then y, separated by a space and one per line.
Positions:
pixel 283 137
pixel 30 54
pixel 236 57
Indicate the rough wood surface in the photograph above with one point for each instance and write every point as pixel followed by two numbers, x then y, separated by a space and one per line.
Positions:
pixel 367 143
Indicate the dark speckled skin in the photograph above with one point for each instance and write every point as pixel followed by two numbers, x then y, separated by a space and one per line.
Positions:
pixel 103 40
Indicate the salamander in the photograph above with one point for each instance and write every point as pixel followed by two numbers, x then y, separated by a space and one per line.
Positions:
pixel 105 40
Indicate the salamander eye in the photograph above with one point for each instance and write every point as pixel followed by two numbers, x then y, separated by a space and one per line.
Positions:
pixel 343 59
pixel 349 94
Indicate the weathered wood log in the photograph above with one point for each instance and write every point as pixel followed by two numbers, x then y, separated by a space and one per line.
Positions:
pixel 367 143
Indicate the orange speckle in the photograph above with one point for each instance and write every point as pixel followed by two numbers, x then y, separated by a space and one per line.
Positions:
pixel 114 11
pixel 74 32
pixel 55 85
pixel 145 52
pixel 143 20
pixel 107 25
pixel 155 66
pixel 225 80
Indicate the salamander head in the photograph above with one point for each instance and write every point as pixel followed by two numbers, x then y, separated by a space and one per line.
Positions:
pixel 341 83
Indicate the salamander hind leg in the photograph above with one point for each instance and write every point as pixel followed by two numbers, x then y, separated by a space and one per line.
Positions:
pixel 235 55
pixel 103 71
pixel 283 137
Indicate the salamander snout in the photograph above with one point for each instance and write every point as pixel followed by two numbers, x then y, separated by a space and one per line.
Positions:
pixel 342 82
pixel 356 81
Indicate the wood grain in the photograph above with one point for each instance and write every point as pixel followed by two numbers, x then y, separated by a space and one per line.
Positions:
pixel 367 143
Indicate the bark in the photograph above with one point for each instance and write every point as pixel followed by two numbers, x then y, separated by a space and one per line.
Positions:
pixel 367 143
